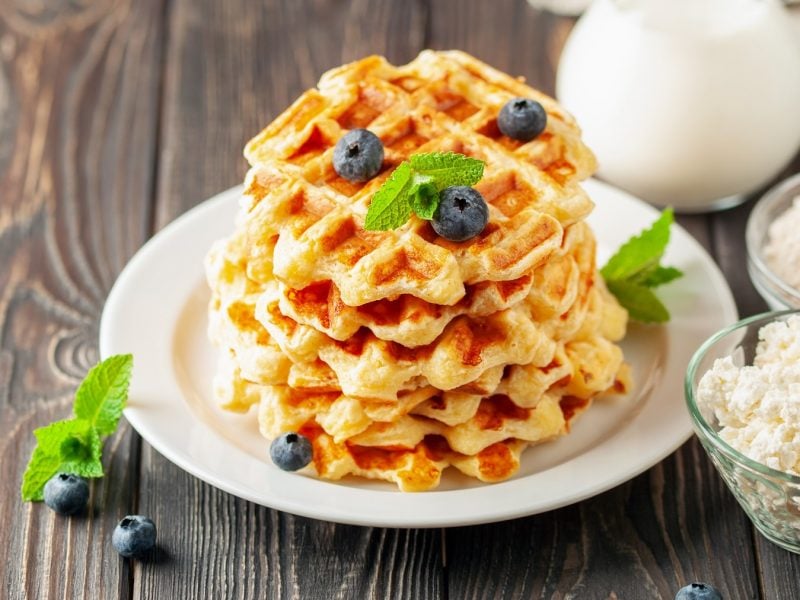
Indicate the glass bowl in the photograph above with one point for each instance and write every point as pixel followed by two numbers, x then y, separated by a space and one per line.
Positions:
pixel 771 498
pixel 777 293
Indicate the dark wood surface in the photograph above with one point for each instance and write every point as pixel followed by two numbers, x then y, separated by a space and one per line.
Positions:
pixel 119 115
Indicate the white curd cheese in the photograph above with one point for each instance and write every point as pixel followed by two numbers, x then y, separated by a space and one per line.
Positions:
pixel 758 406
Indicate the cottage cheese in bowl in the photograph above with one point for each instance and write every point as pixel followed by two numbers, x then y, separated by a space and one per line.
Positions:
pixel 743 394
pixel 758 406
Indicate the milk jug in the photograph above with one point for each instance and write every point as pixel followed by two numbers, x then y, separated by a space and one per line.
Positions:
pixel 688 103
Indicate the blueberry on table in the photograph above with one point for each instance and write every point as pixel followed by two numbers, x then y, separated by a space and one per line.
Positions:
pixel 522 119
pixel 66 494
pixel 358 156
pixel 461 215
pixel 291 451
pixel 134 536
pixel 698 591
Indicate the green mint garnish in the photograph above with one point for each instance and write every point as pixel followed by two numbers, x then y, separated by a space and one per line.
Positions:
pixel 414 186
pixel 424 196
pixel 390 206
pixel 75 445
pixel 634 270
pixel 448 168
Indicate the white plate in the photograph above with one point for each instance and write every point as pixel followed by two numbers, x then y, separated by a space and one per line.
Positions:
pixel 157 311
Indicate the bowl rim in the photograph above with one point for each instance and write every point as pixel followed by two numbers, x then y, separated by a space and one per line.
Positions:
pixel 754 247
pixel 699 420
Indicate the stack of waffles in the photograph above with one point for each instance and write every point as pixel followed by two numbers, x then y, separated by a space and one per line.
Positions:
pixel 399 353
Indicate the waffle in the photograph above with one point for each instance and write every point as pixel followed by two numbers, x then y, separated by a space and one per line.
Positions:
pixel 399 353
pixel 426 430
pixel 370 367
pixel 411 322
pixel 304 222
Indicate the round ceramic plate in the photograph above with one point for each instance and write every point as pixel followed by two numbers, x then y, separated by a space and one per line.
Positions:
pixel 157 312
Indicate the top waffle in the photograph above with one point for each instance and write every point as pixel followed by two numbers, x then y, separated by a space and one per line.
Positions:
pixel 304 224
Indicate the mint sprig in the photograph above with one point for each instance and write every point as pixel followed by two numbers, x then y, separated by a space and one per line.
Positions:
pixel 391 204
pixel 414 186
pixel 447 168
pixel 75 445
pixel 635 269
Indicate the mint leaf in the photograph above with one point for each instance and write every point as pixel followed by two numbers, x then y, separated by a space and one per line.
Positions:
pixel 448 168
pixel 101 396
pixel 81 453
pixel 424 197
pixel 659 276
pixel 47 459
pixel 41 469
pixel 635 268
pixel 75 445
pixel 641 303
pixel 415 186
pixel 390 206
pixel 640 252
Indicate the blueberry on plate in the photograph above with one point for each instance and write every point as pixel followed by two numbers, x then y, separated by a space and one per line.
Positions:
pixel 522 119
pixel 698 591
pixel 291 451
pixel 461 215
pixel 358 156
pixel 134 536
pixel 66 494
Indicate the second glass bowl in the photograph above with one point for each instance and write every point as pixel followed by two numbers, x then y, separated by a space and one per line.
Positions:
pixel 776 292
pixel 771 498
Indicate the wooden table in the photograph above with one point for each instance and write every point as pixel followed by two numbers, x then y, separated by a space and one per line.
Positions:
pixel 119 115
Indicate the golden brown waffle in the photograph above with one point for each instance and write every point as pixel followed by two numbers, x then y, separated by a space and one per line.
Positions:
pixel 304 223
pixel 247 347
pixel 399 353
pixel 369 367
pixel 458 427
pixel 411 322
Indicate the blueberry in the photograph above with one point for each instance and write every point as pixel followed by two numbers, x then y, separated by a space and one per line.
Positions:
pixel 462 213
pixel 66 494
pixel 522 119
pixel 358 156
pixel 291 451
pixel 134 536
pixel 698 591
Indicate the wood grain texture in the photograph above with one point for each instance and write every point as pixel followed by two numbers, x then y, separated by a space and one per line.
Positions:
pixel 230 69
pixel 728 229
pixel 78 97
pixel 644 539
pixel 509 35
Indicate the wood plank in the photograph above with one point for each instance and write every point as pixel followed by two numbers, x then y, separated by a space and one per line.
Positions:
pixel 728 229
pixel 645 538
pixel 232 67
pixel 78 97
pixel 510 36
pixel 727 233
pixel 779 569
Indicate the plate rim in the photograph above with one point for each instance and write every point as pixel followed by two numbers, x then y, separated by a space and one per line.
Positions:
pixel 344 512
